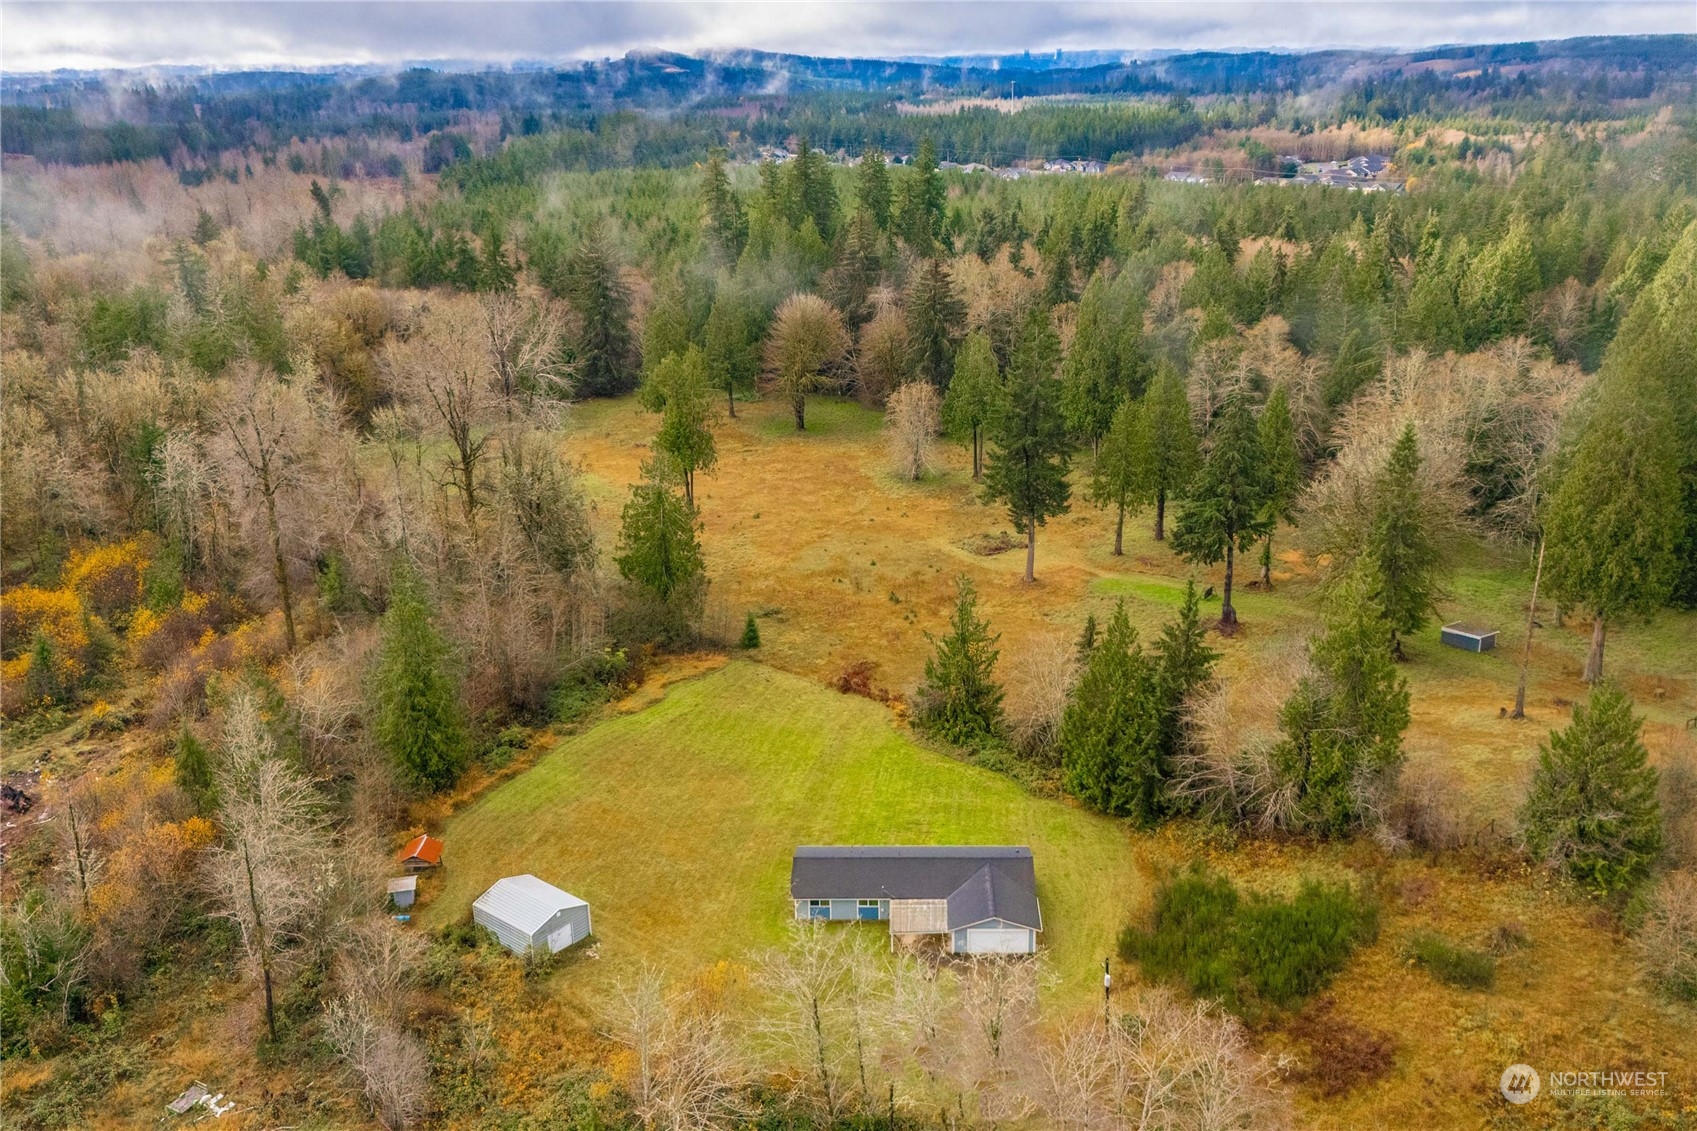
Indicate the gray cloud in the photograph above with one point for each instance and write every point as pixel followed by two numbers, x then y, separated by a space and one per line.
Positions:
pixel 227 35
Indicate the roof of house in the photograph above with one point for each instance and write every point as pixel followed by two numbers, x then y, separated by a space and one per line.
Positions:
pixel 979 881
pixel 402 883
pixel 1467 629
pixel 991 893
pixel 525 902
pixel 422 847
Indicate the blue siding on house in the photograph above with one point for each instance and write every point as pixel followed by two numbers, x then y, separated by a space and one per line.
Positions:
pixel 843 910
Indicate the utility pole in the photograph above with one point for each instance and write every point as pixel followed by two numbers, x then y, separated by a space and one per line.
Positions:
pixel 1526 652
pixel 1107 994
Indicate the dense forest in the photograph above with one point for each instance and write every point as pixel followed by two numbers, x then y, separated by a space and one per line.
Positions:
pixel 301 552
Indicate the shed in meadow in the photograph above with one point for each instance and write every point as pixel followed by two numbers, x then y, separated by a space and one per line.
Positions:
pixel 528 914
pixel 1468 637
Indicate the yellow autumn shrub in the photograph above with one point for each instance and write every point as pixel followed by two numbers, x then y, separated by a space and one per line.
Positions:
pixel 110 579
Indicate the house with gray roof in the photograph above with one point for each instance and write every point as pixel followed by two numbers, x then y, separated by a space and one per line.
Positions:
pixel 980 899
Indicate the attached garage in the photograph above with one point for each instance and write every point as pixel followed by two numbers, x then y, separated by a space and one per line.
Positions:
pixel 996 937
pixel 528 914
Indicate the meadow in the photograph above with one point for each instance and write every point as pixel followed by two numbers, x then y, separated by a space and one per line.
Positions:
pixel 843 562
pixel 676 823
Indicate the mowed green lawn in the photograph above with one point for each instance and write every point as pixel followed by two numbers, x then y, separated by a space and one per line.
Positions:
pixel 677 822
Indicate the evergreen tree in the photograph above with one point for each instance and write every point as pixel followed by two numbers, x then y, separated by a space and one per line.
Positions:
pixel 920 202
pixel 205 228
pixel 685 435
pixel 855 274
pixel 1495 290
pixel 1169 458
pixel 934 318
pixel 42 685
pixel 416 720
pixel 1405 557
pixel 495 272
pixel 723 218
pixel 809 192
pixel 750 634
pixel 194 773
pixel 1592 808
pixel 1616 520
pixel 1655 357
pixel 732 348
pixel 1110 741
pixel 1086 640
pixel 960 700
pixel 1028 464
pixel 1433 319
pixel 600 298
pixel 660 557
pixel 975 395
pixel 1343 724
pixel 1283 466
pixel 1183 666
pixel 1117 475
pixel 872 186
pixel 1092 384
pixel 1226 510
pixel 665 334
pixel 1357 361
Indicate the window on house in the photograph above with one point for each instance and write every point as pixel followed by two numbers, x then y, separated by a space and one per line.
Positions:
pixel 818 909
pixel 870 909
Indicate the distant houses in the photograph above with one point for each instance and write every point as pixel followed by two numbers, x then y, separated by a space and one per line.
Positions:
pixel 974 899
pixel 1366 173
pixel 529 915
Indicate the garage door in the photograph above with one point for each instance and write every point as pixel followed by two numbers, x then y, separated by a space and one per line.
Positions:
pixel 986 941
pixel 560 939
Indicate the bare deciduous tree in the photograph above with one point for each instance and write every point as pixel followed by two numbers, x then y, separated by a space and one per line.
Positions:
pixel 809 984
pixel 688 1070
pixel 910 422
pixel 1040 682
pixel 390 1063
pixel 1162 1065
pixel 522 337
pixel 444 369
pixel 267 433
pixel 262 875
pixel 998 1001
pixel 1226 766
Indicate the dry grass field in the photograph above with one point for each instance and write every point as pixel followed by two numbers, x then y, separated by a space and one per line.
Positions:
pixel 843 562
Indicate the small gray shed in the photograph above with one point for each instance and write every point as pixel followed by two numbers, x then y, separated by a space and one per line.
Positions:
pixel 1468 637
pixel 403 890
pixel 528 914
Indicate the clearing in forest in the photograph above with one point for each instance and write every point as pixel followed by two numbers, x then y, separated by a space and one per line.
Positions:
pixel 677 823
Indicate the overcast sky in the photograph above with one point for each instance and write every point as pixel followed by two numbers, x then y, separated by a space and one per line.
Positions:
pixel 38 37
